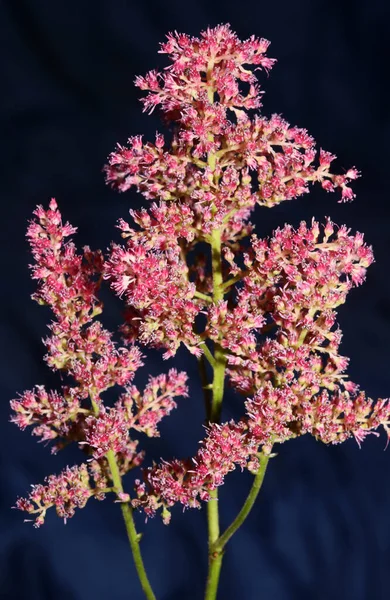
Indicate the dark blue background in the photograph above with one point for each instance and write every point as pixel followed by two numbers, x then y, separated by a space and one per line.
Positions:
pixel 321 527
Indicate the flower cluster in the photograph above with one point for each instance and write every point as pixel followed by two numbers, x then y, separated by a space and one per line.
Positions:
pixel 211 176
pixel 49 413
pixel 185 481
pixel 217 53
pixel 108 431
pixel 156 286
pixel 276 321
pixel 162 226
pixel 81 347
pixel 273 415
pixel 65 492
pixel 259 160
pixel 262 311
pixel 135 410
pixel 292 284
pixel 68 283
pixel 143 412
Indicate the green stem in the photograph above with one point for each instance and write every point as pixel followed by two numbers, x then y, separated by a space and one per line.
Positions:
pixel 202 296
pixel 205 386
pixel 247 506
pixel 216 265
pixel 127 512
pixel 212 511
pixel 218 383
pixel 215 560
pixel 216 541
pixel 232 281
pixel 134 537
pixel 207 354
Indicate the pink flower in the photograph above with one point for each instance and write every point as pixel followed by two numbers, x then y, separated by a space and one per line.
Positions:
pixel 65 492
pixel 156 285
pixel 51 414
pixel 218 51
pixel 80 346
pixel 265 307
pixel 274 414
pixel 143 412
pixel 108 431
pixel 189 481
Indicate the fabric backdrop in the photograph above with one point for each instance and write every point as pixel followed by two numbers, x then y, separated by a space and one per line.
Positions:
pixel 321 526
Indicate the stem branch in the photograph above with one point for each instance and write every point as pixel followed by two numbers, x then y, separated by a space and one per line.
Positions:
pixel 127 512
pixel 247 506
pixel 202 296
pixel 208 354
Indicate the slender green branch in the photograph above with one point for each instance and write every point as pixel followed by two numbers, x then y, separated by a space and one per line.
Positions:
pixel 134 537
pixel 203 296
pixel 229 215
pixel 219 545
pixel 219 355
pixel 216 265
pixel 206 386
pixel 232 281
pixel 127 512
pixel 212 509
pixel 208 354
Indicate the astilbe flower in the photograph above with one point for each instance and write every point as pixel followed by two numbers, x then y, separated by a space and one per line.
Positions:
pixel 255 161
pixel 66 492
pixel 141 412
pixel 295 281
pixel 49 413
pixel 225 447
pixel 290 283
pixel 156 286
pixel 266 154
pixel 276 323
pixel 185 481
pixel 81 347
pixel 144 411
pixel 273 415
pixel 260 310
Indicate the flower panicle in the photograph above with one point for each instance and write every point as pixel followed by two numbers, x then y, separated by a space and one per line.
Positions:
pixel 218 56
pixel 275 318
pixel 66 492
pixel 156 287
pixel 81 347
pixel 144 412
pixel 67 282
pixel 273 415
pixel 266 160
pixel 49 413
